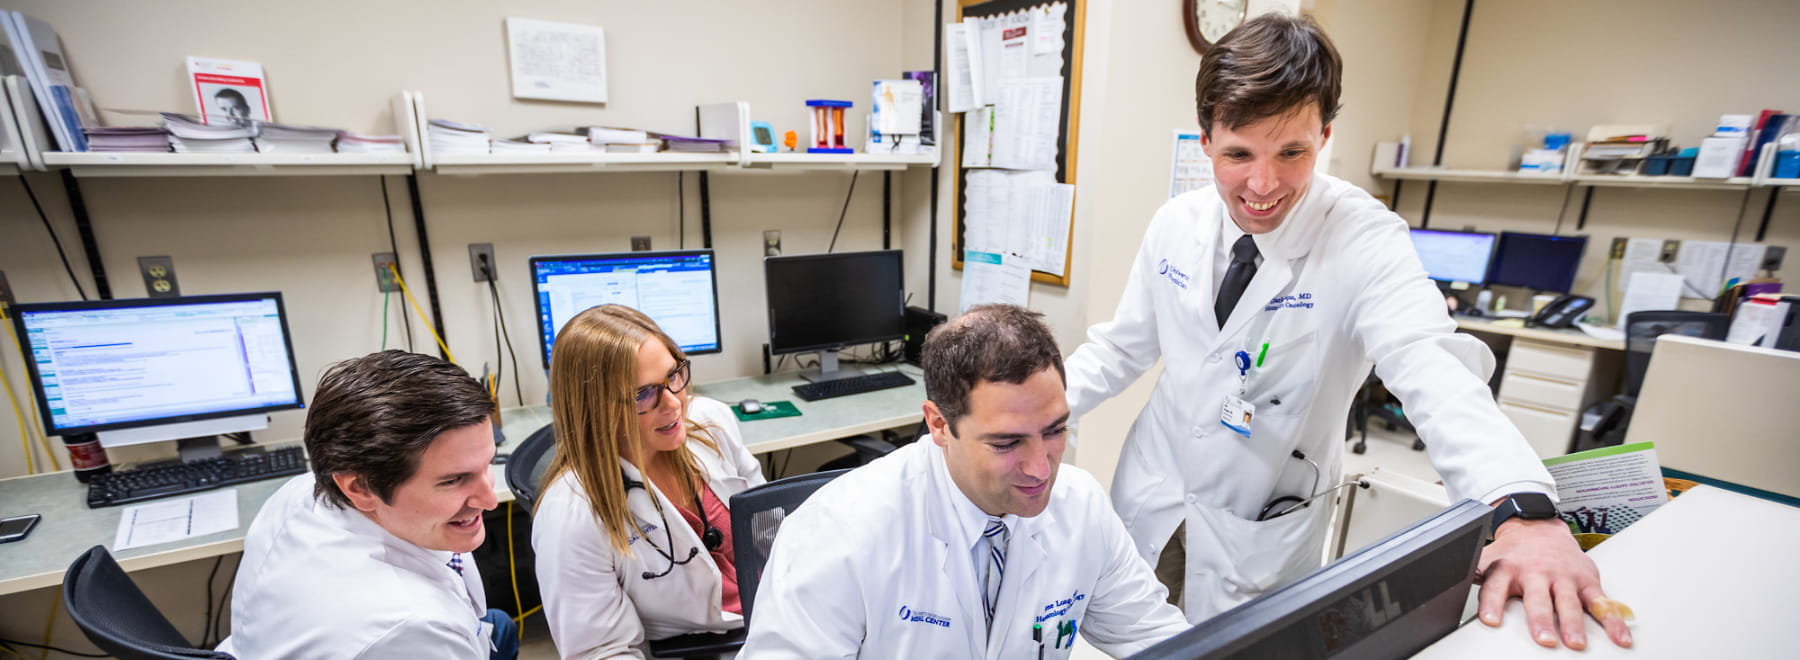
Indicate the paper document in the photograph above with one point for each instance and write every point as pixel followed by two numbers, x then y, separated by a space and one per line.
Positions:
pixel 962 66
pixel 1047 29
pixel 1707 265
pixel 1603 491
pixel 1648 291
pixel 1020 213
pixel 1641 255
pixel 174 520
pixel 1027 115
pixel 990 277
pixel 978 138
pixel 1189 168
pixel 557 61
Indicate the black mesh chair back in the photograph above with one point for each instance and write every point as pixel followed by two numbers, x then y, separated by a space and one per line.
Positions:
pixel 525 468
pixel 1642 329
pixel 756 515
pixel 117 617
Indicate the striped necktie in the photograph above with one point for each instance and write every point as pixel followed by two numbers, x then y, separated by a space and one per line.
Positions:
pixel 995 539
pixel 456 563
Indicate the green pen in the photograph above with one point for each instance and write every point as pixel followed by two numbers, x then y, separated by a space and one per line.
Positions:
pixel 1037 635
pixel 1262 354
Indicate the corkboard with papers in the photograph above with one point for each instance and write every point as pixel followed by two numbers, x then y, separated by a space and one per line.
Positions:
pixel 1012 79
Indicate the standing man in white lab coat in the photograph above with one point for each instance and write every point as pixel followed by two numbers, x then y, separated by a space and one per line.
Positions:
pixel 1270 295
pixel 975 544
pixel 367 556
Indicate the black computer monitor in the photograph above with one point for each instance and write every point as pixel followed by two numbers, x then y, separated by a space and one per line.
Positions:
pixel 1454 256
pixel 156 369
pixel 1537 261
pixel 677 289
pixel 1388 600
pixel 825 302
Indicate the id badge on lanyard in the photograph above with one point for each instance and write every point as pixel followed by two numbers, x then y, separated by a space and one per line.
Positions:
pixel 1238 413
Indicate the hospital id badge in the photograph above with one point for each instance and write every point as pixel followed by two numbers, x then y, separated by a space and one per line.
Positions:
pixel 1237 415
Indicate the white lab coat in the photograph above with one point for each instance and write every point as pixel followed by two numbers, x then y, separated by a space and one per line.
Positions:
pixel 878 564
pixel 318 581
pixel 596 601
pixel 1340 288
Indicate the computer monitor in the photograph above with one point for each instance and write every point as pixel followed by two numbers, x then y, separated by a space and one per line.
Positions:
pixel 1388 600
pixel 825 302
pixel 1537 261
pixel 156 369
pixel 1454 256
pixel 678 289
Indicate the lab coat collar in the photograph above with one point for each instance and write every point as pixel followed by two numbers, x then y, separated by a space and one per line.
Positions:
pixel 1288 242
pixel 958 523
pixel 405 554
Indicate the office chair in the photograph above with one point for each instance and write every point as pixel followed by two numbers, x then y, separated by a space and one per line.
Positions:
pixel 759 509
pixel 1604 423
pixel 1373 400
pixel 525 469
pixel 117 617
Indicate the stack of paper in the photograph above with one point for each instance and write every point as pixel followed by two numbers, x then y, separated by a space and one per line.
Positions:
pixel 604 135
pixel 517 146
pixel 187 134
pixel 449 137
pixel 351 143
pixel 563 142
pixel 693 144
pixel 283 138
pixel 650 147
pixel 140 139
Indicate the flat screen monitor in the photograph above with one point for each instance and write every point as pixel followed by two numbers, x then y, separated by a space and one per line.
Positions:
pixel 677 289
pixel 1388 600
pixel 108 365
pixel 825 302
pixel 1454 256
pixel 1539 262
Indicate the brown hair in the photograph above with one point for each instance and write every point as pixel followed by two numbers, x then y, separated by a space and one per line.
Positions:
pixel 1265 68
pixel 374 415
pixel 593 383
pixel 998 343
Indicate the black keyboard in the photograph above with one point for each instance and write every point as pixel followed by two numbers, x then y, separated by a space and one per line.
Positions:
pixel 855 385
pixel 166 479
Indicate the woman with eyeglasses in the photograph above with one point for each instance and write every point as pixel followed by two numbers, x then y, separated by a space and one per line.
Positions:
pixel 632 534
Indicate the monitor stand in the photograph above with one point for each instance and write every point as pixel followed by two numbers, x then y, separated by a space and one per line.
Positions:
pixel 196 441
pixel 828 369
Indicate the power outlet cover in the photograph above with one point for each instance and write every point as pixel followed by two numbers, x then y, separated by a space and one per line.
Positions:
pixel 159 277
pixel 1772 257
pixel 772 243
pixel 1670 250
pixel 385 264
pixel 476 252
pixel 640 244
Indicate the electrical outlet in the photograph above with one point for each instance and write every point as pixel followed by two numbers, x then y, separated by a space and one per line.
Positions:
pixel 384 276
pixel 1772 257
pixel 772 242
pixel 1670 249
pixel 6 294
pixel 1618 248
pixel 159 277
pixel 481 262
pixel 640 244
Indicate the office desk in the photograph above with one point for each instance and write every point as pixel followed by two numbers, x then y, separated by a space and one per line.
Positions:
pixel 69 527
pixel 1708 575
pixel 1551 376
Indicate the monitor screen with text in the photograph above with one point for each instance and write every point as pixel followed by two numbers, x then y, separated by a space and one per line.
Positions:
pixel 677 290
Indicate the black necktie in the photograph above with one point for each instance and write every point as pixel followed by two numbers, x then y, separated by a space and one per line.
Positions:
pixel 1237 276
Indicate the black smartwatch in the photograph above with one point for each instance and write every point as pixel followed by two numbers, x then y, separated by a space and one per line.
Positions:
pixel 1530 506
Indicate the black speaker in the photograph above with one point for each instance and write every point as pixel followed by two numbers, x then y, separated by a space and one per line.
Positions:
pixel 918 322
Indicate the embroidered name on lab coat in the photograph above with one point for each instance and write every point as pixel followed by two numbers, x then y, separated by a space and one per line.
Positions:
pixel 1060 607
pixel 911 615
pixel 1174 274
pixel 1296 301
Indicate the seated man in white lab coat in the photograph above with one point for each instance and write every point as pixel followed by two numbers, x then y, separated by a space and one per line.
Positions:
pixel 967 545
pixel 367 556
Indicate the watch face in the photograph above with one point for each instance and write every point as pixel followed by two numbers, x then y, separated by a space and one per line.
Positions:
pixel 1217 17
pixel 1534 506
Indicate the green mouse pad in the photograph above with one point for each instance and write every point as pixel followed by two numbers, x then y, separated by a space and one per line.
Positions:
pixel 771 410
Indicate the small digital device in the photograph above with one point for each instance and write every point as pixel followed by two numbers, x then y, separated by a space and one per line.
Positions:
pixel 1539 262
pixel 1563 312
pixel 826 302
pixel 678 290
pixel 1454 256
pixel 157 369
pixel 17 528
pixel 762 137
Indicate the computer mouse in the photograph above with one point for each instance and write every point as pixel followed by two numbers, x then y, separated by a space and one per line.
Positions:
pixel 750 406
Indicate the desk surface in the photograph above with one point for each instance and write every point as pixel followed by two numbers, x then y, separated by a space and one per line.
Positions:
pixel 68 527
pixel 1567 336
pixel 1708 576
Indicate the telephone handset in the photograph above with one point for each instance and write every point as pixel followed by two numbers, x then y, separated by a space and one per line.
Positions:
pixel 1563 312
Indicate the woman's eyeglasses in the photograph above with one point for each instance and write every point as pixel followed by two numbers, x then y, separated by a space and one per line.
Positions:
pixel 649 397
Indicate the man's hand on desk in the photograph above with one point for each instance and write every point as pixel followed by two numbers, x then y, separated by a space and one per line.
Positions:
pixel 1539 561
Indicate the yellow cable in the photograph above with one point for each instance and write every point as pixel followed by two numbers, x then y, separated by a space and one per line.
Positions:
pixel 513 567
pixel 43 441
pixel 521 618
pixel 415 305
pixel 50 626
pixel 24 433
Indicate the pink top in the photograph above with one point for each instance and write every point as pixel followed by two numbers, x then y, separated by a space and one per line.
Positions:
pixel 725 557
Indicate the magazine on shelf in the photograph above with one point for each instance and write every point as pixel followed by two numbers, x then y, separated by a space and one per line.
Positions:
pixel 228 90
pixel 40 53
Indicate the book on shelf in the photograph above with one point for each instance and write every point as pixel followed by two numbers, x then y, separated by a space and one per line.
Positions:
pixel 128 139
pixel 40 55
pixel 692 145
pixel 649 147
pixel 1768 127
pixel 451 137
pixel 229 90
pixel 563 142
pixel 288 139
pixel 607 135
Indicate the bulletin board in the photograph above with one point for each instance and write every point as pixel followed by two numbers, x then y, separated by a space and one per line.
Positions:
pixel 1073 19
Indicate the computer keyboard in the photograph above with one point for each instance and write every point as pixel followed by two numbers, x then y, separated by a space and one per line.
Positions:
pixel 854 385
pixel 167 479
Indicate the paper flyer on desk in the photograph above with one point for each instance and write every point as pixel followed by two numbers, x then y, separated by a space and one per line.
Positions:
pixel 1605 490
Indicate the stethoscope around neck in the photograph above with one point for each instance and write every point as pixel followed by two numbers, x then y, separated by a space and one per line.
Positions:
pixel 711 537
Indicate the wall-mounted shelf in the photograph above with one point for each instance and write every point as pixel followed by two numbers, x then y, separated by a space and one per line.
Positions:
pixel 117 164
pixel 516 163
pixel 1675 182
pixel 859 161
pixel 1467 176
pixel 1385 152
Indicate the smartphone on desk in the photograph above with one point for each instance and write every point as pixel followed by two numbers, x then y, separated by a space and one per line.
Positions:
pixel 1563 312
pixel 17 527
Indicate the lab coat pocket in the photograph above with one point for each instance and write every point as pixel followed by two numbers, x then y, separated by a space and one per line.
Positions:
pixel 1284 385
pixel 1233 560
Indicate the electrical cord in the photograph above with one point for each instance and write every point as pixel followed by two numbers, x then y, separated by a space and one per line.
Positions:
pixel 34 430
pixel 384 318
pixel 681 210
pixel 225 602
pixel 844 212
pixel 393 245
pixel 407 293
pixel 53 238
pixel 47 647
pixel 500 328
pixel 207 628
pixel 24 431
pixel 512 566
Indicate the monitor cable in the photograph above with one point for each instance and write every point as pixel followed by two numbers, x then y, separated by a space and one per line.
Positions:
pixel 844 212
pixel 407 293
pixel 53 238
pixel 393 245
pixel 500 329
